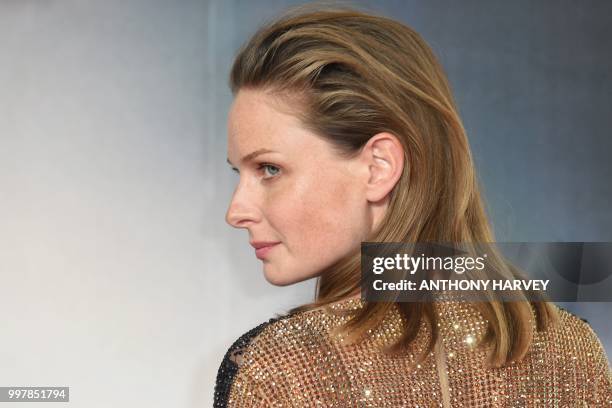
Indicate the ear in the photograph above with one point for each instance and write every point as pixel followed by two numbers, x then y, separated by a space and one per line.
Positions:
pixel 384 156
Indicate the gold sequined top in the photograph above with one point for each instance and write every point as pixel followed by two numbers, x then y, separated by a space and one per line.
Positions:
pixel 294 362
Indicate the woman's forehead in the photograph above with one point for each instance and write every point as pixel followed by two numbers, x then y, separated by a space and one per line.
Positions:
pixel 255 122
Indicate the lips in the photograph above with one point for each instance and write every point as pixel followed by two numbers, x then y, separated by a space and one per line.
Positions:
pixel 262 244
pixel 263 247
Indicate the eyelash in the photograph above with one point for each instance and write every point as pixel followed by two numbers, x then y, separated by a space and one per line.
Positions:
pixel 263 166
pixel 267 165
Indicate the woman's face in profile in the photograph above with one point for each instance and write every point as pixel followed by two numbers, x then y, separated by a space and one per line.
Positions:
pixel 294 190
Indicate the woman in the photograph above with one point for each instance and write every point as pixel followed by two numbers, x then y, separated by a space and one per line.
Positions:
pixel 343 130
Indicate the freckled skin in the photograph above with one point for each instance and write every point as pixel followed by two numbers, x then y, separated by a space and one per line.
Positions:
pixel 314 204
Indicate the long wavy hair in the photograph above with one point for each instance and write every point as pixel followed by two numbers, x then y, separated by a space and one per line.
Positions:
pixel 350 75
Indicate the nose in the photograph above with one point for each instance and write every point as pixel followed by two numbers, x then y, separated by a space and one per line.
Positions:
pixel 242 211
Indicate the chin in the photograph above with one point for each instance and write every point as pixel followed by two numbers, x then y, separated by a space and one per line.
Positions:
pixel 280 278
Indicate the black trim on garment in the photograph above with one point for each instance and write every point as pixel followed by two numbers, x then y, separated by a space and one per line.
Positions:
pixel 229 368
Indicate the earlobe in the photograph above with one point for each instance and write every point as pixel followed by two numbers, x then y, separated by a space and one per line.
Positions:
pixel 384 156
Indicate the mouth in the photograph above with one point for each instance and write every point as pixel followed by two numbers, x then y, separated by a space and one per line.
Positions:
pixel 262 249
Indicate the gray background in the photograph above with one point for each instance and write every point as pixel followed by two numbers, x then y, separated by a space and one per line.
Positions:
pixel 120 278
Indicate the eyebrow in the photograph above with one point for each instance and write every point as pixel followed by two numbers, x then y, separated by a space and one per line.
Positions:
pixel 252 155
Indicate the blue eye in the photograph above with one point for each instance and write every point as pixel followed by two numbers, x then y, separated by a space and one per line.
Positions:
pixel 272 170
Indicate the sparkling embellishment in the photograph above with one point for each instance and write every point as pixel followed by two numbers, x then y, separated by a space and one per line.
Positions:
pixel 294 361
pixel 469 340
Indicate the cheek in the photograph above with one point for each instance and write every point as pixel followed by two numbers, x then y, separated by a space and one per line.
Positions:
pixel 322 216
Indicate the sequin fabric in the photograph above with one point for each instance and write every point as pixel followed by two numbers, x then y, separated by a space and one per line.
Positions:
pixel 294 362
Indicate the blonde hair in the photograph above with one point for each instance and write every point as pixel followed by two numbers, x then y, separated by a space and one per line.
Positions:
pixel 353 75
